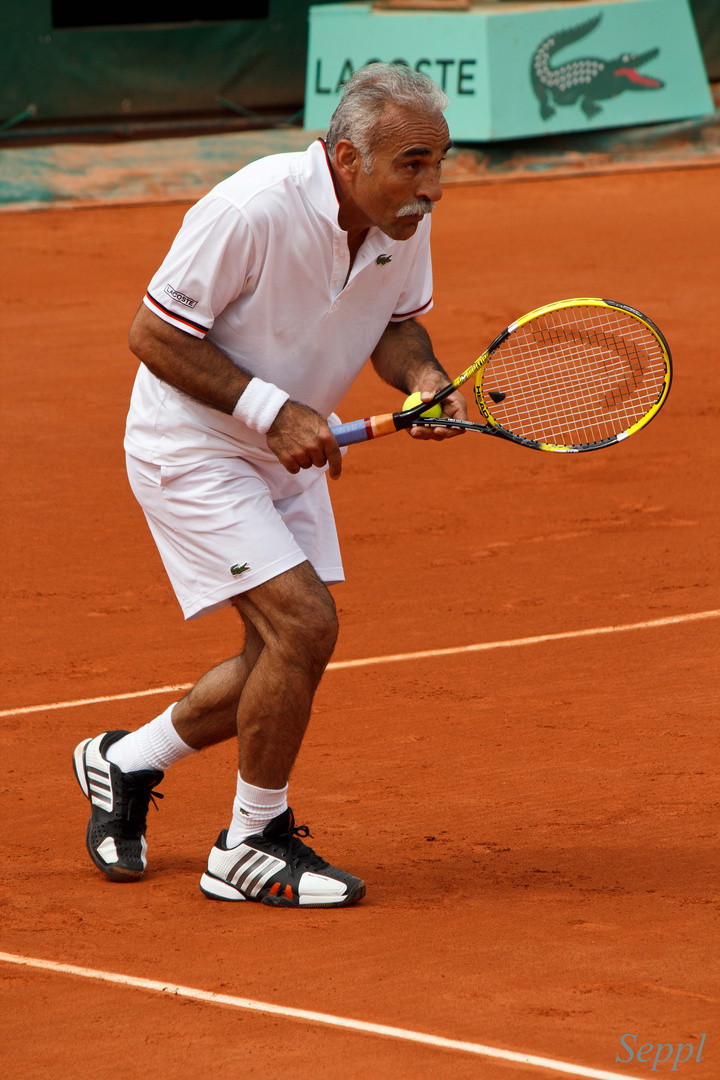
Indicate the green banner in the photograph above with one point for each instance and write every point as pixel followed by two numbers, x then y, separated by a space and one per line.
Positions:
pixel 516 70
pixel 57 61
pixel 707 21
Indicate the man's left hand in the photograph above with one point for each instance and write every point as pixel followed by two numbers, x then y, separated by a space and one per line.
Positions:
pixel 454 407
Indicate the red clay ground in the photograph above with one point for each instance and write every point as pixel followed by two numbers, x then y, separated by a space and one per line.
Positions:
pixel 537 826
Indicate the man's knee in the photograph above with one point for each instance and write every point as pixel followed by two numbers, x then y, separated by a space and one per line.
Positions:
pixel 321 626
pixel 294 612
pixel 308 625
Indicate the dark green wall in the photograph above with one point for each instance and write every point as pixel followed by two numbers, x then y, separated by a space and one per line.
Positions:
pixel 707 21
pixel 136 71
pixel 133 71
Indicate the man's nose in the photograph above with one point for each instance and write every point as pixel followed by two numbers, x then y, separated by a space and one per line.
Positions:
pixel 429 187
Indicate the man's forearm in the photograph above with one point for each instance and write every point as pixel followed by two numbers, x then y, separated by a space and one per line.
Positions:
pixel 196 368
pixel 404 356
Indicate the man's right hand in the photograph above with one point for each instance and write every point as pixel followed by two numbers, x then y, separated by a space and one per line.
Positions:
pixel 299 438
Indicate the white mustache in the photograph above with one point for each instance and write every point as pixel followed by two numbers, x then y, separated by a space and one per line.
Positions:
pixel 417 206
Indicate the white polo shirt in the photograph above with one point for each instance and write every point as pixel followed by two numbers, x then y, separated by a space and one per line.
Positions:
pixel 259 266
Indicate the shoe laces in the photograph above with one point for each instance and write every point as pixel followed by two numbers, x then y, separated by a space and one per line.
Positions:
pixel 297 851
pixel 138 794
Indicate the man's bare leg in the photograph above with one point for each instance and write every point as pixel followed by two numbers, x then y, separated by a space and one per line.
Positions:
pixel 265 694
pixel 261 856
pixel 208 713
pixel 295 616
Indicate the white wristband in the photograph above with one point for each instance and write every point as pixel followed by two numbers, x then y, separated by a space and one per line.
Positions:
pixel 259 404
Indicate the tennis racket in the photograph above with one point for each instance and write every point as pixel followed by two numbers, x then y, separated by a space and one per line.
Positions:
pixel 572 376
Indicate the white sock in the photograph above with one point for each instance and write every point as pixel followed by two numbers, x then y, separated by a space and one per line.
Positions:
pixel 154 746
pixel 253 808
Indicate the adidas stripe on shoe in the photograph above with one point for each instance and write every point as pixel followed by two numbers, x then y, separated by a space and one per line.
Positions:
pixel 277 868
pixel 116 831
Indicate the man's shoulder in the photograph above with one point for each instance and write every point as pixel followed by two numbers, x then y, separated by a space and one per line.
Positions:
pixel 261 179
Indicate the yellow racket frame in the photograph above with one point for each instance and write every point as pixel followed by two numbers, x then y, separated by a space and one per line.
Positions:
pixel 584 301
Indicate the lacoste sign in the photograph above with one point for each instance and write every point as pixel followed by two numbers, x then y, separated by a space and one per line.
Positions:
pixel 454 75
pixel 513 70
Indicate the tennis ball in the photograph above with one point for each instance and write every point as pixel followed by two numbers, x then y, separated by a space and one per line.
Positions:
pixel 416 399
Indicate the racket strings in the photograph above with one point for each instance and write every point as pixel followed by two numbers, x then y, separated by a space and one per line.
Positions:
pixel 574 376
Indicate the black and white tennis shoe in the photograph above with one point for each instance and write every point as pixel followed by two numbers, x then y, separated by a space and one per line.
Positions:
pixel 116 830
pixel 277 868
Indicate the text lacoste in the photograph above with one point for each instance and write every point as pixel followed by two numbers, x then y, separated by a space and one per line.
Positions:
pixel 180 297
pixel 450 75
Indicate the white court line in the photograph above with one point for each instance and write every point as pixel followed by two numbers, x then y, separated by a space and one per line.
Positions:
pixel 538 639
pixel 317 1018
pixel 393 658
pixel 97 700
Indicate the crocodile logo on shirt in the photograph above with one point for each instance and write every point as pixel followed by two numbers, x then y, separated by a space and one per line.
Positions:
pixel 238 570
pixel 382 260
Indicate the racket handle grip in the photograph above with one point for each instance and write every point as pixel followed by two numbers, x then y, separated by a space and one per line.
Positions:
pixel 354 432
pixel 362 430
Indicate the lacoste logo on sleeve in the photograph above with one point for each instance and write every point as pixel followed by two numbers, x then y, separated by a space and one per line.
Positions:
pixel 236 570
pixel 383 259
pixel 180 297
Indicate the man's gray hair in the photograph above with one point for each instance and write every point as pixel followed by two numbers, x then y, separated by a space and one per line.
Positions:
pixel 365 96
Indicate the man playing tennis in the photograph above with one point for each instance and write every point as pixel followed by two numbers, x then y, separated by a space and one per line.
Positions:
pixel 279 285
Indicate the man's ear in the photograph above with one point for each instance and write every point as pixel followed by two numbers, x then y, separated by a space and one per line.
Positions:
pixel 347 160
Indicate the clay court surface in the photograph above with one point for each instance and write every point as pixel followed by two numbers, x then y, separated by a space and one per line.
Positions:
pixel 536 824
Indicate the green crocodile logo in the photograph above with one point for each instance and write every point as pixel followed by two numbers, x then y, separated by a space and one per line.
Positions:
pixel 238 570
pixel 383 259
pixel 587 80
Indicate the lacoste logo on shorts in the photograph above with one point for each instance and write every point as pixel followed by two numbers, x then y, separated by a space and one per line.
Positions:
pixel 180 297
pixel 383 259
pixel 238 570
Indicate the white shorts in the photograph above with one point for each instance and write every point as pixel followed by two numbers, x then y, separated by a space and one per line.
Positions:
pixel 221 530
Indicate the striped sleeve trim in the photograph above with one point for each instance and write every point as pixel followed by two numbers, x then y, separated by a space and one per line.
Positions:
pixel 172 317
pixel 399 316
